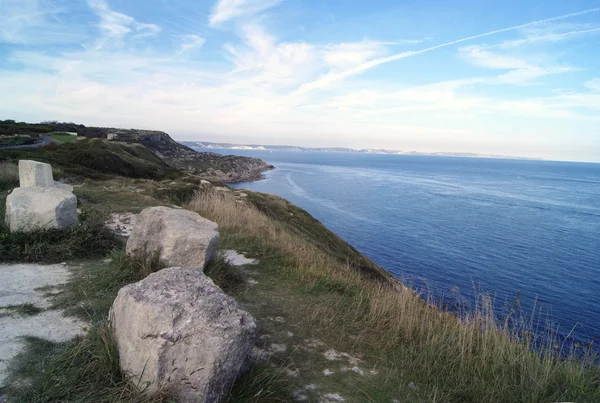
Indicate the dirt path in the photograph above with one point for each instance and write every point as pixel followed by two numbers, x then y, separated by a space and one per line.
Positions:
pixel 24 309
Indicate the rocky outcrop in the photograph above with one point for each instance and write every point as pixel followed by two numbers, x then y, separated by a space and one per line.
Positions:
pixel 176 330
pixel 179 237
pixel 34 174
pixel 33 208
pixel 212 166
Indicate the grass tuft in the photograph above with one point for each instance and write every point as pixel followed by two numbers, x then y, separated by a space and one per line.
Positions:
pixel 86 369
pixel 26 309
pixel 224 275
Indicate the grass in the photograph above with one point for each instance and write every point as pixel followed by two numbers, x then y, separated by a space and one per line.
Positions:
pixel 86 369
pixel 9 175
pixel 93 288
pixel 321 290
pixel 21 309
pixel 96 159
pixel 63 138
pixel 18 140
pixel 89 239
pixel 83 370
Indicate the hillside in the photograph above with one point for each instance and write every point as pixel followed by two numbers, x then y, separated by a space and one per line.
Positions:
pixel 333 326
pixel 212 166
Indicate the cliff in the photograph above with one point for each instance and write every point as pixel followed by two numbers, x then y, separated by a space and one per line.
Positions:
pixel 211 166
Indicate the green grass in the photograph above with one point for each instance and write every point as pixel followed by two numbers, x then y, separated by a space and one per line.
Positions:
pixel 83 370
pixel 94 286
pixel 86 369
pixel 9 175
pixel 21 309
pixel 96 159
pixel 63 138
pixel 18 140
pixel 89 239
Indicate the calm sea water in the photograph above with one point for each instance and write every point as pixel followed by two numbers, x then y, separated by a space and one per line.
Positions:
pixel 506 227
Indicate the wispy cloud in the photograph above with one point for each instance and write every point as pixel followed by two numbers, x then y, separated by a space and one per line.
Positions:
pixel 521 71
pixel 331 78
pixel 33 22
pixel 115 26
pixel 226 10
pixel 190 42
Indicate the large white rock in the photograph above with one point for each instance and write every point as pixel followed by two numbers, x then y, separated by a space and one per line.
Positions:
pixel 176 330
pixel 179 237
pixel 31 208
pixel 33 173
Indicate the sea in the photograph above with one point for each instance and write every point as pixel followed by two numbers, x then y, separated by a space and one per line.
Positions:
pixel 525 232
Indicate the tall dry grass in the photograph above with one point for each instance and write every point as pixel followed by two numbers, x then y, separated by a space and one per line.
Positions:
pixel 475 356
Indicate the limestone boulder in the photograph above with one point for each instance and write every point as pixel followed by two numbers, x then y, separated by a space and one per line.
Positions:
pixel 34 174
pixel 32 208
pixel 176 330
pixel 179 237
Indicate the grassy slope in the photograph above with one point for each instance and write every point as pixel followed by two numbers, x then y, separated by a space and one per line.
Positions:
pixel 64 138
pixel 96 158
pixel 313 300
pixel 311 292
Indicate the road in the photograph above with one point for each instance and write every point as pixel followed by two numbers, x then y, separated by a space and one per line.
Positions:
pixel 45 140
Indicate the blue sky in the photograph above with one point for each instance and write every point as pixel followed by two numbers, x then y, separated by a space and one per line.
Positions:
pixel 512 77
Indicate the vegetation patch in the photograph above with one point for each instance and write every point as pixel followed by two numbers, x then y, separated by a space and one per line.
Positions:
pixel 337 333
pixel 95 159
pixel 89 239
pixel 86 369
pixel 9 175
pixel 63 137
pixel 21 309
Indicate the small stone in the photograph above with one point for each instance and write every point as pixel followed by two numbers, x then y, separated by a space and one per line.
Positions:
pixel 412 385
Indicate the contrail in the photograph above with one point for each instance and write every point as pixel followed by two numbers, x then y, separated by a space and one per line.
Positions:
pixel 329 78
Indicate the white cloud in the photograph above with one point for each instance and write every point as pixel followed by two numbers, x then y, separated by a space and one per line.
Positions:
pixel 521 71
pixel 345 55
pixel 226 10
pixel 190 42
pixel 593 84
pixel 33 22
pixel 548 37
pixel 115 26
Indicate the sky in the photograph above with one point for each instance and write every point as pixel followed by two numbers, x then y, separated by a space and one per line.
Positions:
pixel 519 78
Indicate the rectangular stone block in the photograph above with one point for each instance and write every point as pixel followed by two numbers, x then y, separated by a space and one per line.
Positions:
pixel 35 174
